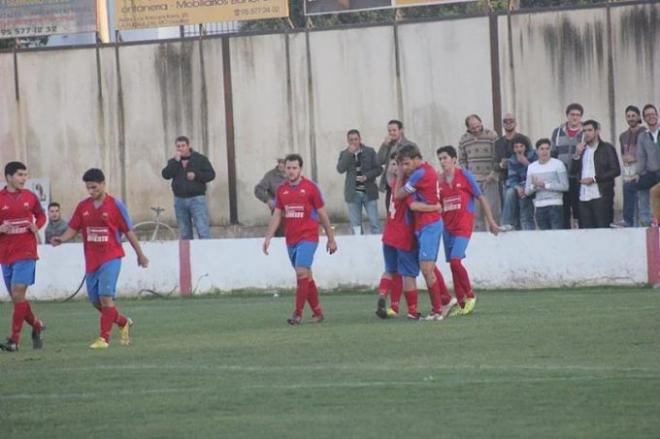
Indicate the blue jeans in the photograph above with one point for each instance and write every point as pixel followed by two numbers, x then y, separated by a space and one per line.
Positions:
pixel 630 203
pixel 192 210
pixel 524 206
pixel 550 217
pixel 643 208
pixel 355 212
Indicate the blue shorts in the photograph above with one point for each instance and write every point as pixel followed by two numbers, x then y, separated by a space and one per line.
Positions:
pixel 20 272
pixel 428 240
pixel 400 261
pixel 455 246
pixel 302 254
pixel 103 281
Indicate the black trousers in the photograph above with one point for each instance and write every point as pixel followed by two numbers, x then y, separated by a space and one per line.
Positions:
pixel 571 202
pixel 597 214
pixel 388 195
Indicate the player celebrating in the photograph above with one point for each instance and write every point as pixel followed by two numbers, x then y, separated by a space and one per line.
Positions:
pixel 299 203
pixel 422 186
pixel 21 216
pixel 458 191
pixel 102 220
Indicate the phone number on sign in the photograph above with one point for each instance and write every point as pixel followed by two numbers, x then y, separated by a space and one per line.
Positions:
pixel 20 31
pixel 256 11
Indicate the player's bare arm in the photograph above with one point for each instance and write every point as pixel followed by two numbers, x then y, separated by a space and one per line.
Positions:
pixel 66 236
pixel 142 260
pixel 274 223
pixel 329 231
pixel 492 225
pixel 418 206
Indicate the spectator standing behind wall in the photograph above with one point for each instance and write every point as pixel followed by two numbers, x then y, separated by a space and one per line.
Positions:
pixel 394 140
pixel 360 164
pixel 190 171
pixel 596 164
pixel 648 159
pixel 266 189
pixel 476 153
pixel 516 201
pixel 504 149
pixel 56 224
pixel 564 141
pixel 628 143
pixel 546 181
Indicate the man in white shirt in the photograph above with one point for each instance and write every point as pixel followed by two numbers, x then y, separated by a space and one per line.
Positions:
pixel 596 165
pixel 548 180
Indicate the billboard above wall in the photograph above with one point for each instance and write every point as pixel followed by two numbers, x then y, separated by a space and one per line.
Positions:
pixel 33 18
pixel 319 7
pixel 140 14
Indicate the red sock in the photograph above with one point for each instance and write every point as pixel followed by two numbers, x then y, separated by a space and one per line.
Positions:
pixel 120 320
pixel 464 280
pixel 411 299
pixel 445 297
pixel 108 316
pixel 20 309
pixel 385 286
pixel 456 268
pixel 30 318
pixel 302 291
pixel 313 298
pixel 397 290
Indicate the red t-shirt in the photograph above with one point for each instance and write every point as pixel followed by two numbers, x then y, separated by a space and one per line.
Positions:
pixel 399 230
pixel 423 186
pixel 299 205
pixel 457 200
pixel 19 209
pixel 101 228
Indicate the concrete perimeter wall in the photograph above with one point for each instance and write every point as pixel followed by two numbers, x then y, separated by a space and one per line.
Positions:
pixel 246 100
pixel 521 260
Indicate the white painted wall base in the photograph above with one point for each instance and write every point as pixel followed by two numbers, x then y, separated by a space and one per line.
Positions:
pixel 516 260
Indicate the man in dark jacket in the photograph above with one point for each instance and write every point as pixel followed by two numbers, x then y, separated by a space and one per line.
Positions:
pixel 595 165
pixel 361 166
pixel 394 140
pixel 189 172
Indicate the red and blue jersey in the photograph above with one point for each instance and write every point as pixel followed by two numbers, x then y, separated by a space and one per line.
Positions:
pixel 19 210
pixel 399 231
pixel 458 206
pixel 101 228
pixel 423 186
pixel 299 205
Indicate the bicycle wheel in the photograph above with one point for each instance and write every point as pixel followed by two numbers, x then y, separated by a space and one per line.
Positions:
pixel 154 231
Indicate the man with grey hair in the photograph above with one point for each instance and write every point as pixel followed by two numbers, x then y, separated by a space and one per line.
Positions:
pixel 476 153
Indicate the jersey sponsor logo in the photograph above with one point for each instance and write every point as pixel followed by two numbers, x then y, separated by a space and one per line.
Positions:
pixel 98 234
pixel 294 211
pixel 18 226
pixel 451 203
pixel 86 213
pixel 5 207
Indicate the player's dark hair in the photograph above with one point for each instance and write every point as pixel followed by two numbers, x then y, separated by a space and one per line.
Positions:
pixel 408 151
pixel 12 167
pixel 448 149
pixel 183 139
pixel 649 106
pixel 467 119
pixel 54 204
pixel 93 175
pixel 294 158
pixel 396 122
pixel 353 131
pixel 592 123
pixel 575 106
pixel 543 141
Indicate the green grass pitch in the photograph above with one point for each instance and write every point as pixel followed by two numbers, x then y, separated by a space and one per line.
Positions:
pixel 554 363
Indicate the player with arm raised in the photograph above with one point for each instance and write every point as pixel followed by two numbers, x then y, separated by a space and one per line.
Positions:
pixel 102 219
pixel 299 205
pixel 21 216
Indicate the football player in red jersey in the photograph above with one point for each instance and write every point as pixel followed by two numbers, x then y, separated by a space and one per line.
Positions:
pixel 299 205
pixel 21 216
pixel 102 219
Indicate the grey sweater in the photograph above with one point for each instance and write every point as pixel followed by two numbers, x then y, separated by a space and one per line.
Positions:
pixel 648 154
